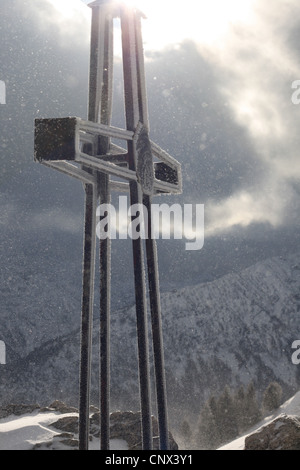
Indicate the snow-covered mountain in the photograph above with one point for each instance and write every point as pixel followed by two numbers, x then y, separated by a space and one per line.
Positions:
pixel 234 330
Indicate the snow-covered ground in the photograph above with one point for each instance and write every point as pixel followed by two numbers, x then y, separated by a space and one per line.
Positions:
pixel 24 432
pixel 290 407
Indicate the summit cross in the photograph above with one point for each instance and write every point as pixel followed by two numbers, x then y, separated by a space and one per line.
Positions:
pixel 84 149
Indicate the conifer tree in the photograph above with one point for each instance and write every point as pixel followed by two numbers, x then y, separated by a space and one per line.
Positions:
pixel 272 397
pixel 186 433
pixel 252 408
pixel 227 416
pixel 208 432
pixel 240 405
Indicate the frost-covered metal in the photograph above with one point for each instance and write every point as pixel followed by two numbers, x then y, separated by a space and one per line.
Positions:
pixel 84 150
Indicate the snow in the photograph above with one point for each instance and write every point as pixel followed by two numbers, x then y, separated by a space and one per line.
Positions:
pixel 24 432
pixel 290 408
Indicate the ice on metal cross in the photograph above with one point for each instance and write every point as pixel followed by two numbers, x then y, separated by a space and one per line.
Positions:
pixel 85 149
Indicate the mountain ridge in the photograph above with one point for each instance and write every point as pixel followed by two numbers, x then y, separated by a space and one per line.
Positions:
pixel 231 331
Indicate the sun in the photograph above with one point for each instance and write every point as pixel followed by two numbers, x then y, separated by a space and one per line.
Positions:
pixel 206 21
pixel 170 22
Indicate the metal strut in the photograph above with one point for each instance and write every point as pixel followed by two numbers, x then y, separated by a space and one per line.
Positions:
pixel 152 259
pixel 89 250
pixel 133 116
pixel 100 111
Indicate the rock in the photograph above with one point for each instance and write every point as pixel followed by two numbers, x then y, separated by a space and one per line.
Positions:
pixel 62 441
pixel 70 442
pixel 67 424
pixel 281 434
pixel 124 425
pixel 94 409
pixel 127 426
pixel 61 407
pixel 17 410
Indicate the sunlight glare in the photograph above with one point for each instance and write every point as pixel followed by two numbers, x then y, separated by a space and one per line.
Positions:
pixel 204 21
pixel 68 8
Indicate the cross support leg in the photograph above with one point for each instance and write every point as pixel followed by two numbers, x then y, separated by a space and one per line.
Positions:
pixel 157 336
pixel 87 314
pixel 100 110
pixel 105 290
pixel 142 330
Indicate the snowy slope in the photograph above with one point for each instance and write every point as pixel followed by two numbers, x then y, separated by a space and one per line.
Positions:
pixel 231 331
pixel 290 407
pixel 36 307
pixel 25 432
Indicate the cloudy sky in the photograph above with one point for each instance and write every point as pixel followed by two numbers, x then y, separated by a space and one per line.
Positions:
pixel 219 78
pixel 253 50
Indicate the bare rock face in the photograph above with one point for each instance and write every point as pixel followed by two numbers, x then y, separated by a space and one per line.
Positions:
pixel 127 426
pixel 67 424
pixel 281 434
pixel 59 406
pixel 17 410
pixel 124 425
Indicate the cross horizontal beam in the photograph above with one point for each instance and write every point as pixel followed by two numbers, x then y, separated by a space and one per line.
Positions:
pixel 60 141
pixel 72 170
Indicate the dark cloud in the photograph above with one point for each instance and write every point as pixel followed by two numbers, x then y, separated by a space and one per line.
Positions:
pixel 190 115
pixel 42 76
pixel 257 64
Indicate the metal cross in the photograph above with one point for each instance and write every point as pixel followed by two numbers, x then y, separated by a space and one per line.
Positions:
pixel 84 150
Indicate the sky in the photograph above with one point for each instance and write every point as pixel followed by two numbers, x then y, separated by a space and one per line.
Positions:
pixel 223 100
pixel 253 50
pixel 219 79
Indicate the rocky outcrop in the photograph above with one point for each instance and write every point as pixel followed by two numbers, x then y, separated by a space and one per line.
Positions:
pixel 67 424
pixel 17 410
pixel 61 407
pixel 124 425
pixel 281 434
pixel 127 426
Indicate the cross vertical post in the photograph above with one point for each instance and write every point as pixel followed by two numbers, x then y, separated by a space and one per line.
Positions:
pixel 157 337
pixel 152 261
pixel 133 116
pixel 87 313
pixel 100 110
